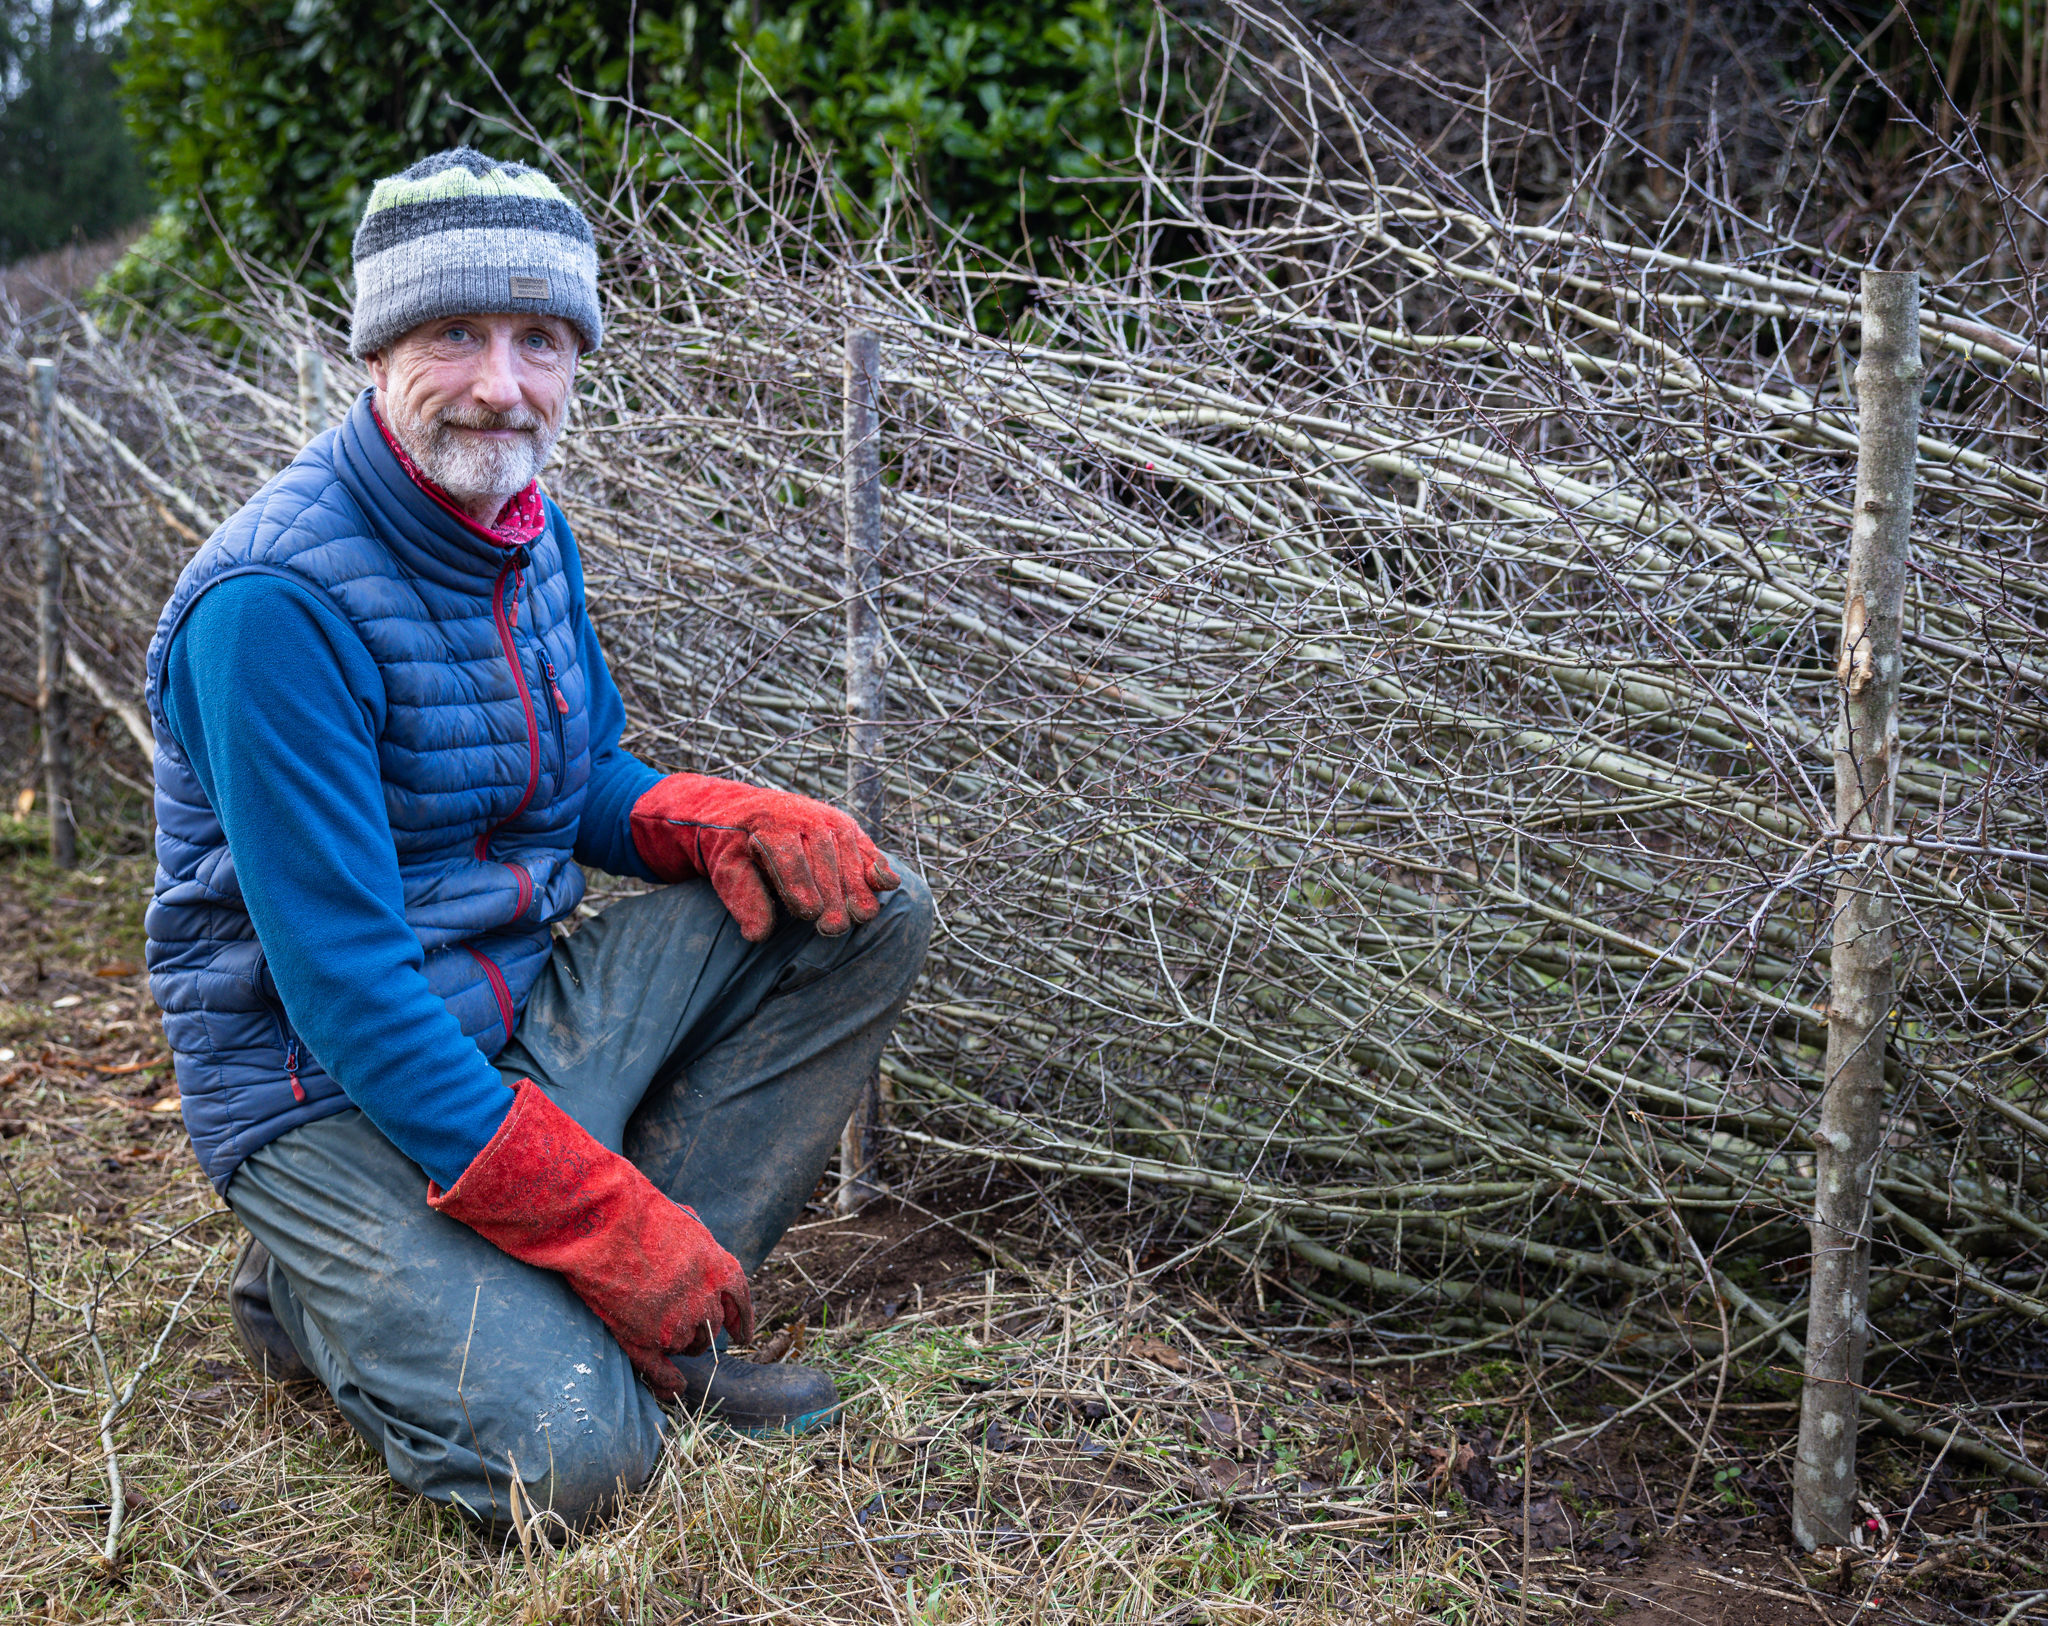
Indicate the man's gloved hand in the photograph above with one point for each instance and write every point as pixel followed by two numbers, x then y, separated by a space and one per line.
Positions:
pixel 549 1195
pixel 816 857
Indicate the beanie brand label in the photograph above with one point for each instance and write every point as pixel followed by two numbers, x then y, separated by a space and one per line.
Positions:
pixel 417 250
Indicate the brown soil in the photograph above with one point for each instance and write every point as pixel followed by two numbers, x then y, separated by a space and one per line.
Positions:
pixel 864 1269
pixel 85 1080
pixel 1743 1587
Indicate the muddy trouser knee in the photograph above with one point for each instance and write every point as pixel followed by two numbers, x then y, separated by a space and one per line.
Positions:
pixel 725 1070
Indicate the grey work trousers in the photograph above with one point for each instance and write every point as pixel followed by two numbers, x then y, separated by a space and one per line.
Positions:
pixel 723 1069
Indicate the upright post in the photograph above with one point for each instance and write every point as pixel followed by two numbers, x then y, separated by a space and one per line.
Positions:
pixel 1860 999
pixel 312 391
pixel 866 669
pixel 51 704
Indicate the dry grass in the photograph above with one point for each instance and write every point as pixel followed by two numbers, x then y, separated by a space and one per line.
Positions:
pixel 1056 1424
pixel 57 279
pixel 937 1500
pixel 1058 1433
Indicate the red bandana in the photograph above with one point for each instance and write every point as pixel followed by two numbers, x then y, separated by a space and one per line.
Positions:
pixel 523 519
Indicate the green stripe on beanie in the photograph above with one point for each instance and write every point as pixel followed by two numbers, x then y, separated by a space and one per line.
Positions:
pixel 461 235
pixel 455 179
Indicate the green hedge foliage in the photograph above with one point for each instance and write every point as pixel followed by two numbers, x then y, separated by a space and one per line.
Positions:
pixel 271 119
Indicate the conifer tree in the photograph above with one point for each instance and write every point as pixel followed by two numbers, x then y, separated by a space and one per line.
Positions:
pixel 68 170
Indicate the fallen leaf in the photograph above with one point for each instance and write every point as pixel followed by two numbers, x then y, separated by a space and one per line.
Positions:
pixel 1221 1428
pixel 785 1345
pixel 168 1104
pixel 1473 1470
pixel 1223 1480
pixel 67 1002
pixel 117 968
pixel 1156 1350
pixel 1550 1523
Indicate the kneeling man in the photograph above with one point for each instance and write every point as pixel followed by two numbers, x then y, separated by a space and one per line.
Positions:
pixel 504 1189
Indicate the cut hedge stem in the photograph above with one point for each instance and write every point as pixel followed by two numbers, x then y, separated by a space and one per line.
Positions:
pixel 1863 984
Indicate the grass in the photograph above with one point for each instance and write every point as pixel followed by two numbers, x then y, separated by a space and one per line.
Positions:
pixel 1007 1454
pixel 1043 1432
pixel 1030 1443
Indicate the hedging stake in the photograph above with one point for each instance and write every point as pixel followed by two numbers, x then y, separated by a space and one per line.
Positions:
pixel 866 670
pixel 1861 993
pixel 51 704
pixel 312 391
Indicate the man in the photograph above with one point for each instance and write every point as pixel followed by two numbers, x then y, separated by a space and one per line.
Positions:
pixel 504 1189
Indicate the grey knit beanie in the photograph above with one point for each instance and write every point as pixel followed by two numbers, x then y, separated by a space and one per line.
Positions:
pixel 461 235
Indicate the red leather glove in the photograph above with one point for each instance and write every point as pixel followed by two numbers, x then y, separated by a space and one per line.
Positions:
pixel 549 1195
pixel 744 840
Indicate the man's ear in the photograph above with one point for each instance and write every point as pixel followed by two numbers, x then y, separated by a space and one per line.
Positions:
pixel 374 363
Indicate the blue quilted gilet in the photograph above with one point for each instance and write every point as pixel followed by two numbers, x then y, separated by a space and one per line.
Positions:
pixel 484 775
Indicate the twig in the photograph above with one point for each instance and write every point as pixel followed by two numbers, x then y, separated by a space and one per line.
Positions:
pixel 117 1502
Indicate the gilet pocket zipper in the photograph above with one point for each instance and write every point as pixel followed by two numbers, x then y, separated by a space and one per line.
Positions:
pixel 559 711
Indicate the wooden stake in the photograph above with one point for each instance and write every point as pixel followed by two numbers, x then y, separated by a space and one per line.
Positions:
pixel 866 670
pixel 312 391
pixel 51 701
pixel 1861 996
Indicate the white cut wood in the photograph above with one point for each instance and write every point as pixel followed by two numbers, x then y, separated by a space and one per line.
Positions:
pixel 1862 991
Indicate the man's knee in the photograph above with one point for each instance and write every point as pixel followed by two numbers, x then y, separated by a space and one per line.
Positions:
pixel 570 1475
pixel 904 928
pixel 588 1481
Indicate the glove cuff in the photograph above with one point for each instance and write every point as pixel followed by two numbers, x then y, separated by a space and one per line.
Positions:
pixel 549 1195
pixel 678 828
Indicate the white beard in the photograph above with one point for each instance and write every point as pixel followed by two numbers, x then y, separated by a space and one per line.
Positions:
pixel 476 472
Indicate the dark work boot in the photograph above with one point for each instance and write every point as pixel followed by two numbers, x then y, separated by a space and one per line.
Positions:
pixel 266 1346
pixel 780 1399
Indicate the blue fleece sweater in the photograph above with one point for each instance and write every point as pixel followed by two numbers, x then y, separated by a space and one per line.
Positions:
pixel 260 671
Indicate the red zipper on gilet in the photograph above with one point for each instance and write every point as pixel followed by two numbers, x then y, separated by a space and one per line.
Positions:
pixel 498 984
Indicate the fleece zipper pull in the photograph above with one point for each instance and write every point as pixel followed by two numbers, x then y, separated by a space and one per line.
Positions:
pixel 554 684
pixel 291 1070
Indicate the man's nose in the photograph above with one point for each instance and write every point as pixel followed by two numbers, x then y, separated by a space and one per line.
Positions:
pixel 496 386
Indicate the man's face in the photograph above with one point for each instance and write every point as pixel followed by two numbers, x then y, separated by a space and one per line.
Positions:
pixel 478 401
